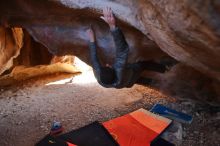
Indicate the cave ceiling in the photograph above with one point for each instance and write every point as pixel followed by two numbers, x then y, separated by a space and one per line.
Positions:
pixel 188 31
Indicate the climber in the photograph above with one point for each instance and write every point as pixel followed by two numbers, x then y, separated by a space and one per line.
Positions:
pixel 121 74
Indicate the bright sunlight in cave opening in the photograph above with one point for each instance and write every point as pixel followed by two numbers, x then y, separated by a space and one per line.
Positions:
pixel 86 77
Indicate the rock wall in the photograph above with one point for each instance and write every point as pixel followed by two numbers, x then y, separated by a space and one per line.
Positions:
pixel 32 53
pixel 11 41
pixel 189 31
pixel 62 30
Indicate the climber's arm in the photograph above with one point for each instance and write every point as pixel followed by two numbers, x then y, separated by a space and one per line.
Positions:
pixel 122 50
pixel 93 54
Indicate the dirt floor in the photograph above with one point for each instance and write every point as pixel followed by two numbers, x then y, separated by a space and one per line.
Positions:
pixel 28 109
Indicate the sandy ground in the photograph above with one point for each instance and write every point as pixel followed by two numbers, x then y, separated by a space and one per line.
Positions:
pixel 27 110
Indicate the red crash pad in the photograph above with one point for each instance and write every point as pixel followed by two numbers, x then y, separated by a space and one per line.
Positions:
pixel 138 128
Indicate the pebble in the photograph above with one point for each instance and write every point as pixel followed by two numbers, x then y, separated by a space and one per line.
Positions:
pixel 19 123
pixel 5 116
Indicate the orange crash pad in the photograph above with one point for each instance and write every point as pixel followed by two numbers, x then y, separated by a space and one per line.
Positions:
pixel 138 128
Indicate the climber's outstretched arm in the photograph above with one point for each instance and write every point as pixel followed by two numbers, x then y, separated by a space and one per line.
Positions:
pixel 93 54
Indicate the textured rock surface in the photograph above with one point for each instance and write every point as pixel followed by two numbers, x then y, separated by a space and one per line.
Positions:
pixel 187 30
pixel 21 73
pixel 10 45
pixel 32 53
pixel 62 30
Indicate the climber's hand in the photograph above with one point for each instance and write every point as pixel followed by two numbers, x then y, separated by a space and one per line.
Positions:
pixel 91 34
pixel 109 18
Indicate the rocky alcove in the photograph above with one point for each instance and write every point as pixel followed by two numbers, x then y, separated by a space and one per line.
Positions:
pixel 41 41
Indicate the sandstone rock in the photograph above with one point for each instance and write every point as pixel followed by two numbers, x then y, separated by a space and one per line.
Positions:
pixel 189 31
pixel 21 73
pixel 62 30
pixel 11 41
pixel 32 53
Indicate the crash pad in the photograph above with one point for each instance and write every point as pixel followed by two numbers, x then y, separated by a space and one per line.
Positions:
pixel 93 134
pixel 138 128
pixel 49 140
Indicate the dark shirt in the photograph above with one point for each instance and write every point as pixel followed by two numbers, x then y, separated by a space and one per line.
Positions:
pixel 122 70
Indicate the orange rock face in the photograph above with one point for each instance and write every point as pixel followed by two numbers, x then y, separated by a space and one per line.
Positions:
pixel 11 41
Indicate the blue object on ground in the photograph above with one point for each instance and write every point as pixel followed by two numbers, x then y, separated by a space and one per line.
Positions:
pixel 56 128
pixel 171 114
